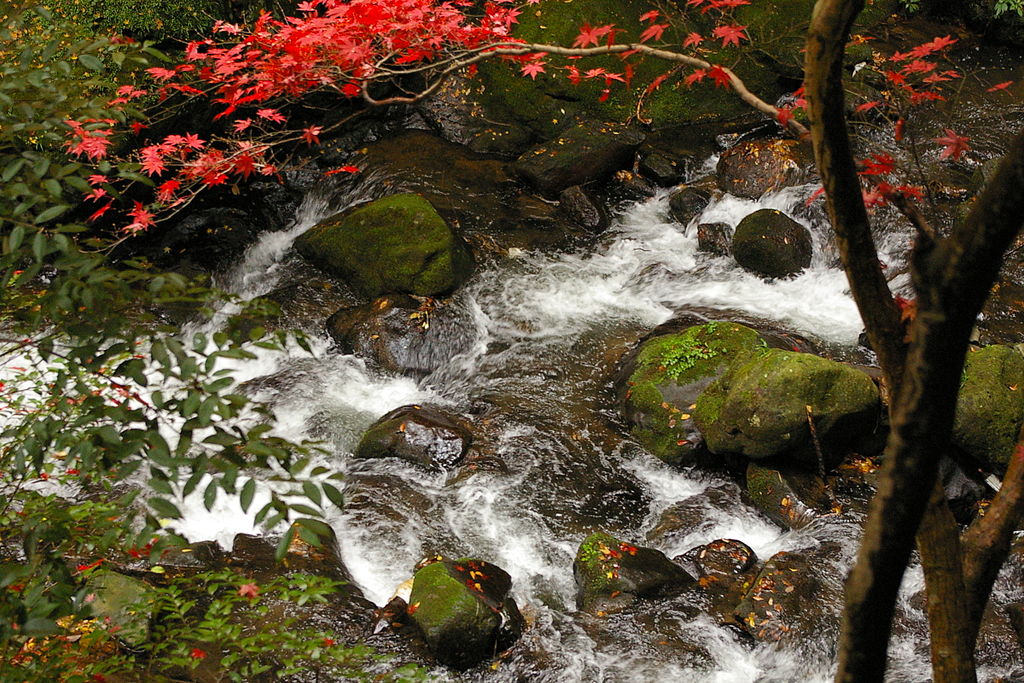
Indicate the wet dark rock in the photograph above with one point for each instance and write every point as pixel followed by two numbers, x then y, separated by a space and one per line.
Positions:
pixel 770 243
pixel 464 610
pixel 627 186
pixel 211 237
pixel 611 574
pixel 667 375
pixel 725 570
pixel 795 597
pixel 754 167
pixel 990 408
pixel 662 169
pixel 402 334
pixel 998 644
pixel 687 202
pixel 345 612
pixel 581 154
pixel 455 112
pixel 790 496
pixel 396 244
pixel 1015 613
pixel 423 435
pixel 583 209
pixel 714 238
pixel 963 489
pixel 759 408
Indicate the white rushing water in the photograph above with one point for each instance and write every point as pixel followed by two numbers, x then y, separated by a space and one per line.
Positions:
pixel 533 314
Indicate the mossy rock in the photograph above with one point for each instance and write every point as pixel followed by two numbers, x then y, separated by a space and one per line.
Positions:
pixel 669 373
pixel 125 601
pixel 463 609
pixel 770 243
pixel 792 497
pixel 398 244
pixel 760 408
pixel 990 409
pixel 610 574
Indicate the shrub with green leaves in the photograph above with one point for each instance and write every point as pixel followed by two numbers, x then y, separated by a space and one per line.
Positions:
pixel 156 19
pixel 107 414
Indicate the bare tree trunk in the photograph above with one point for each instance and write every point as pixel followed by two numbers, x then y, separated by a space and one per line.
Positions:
pixel 823 80
pixel 952 278
pixel 952 641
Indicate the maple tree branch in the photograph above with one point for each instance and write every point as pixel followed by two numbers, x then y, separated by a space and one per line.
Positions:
pixel 516 49
pixel 924 229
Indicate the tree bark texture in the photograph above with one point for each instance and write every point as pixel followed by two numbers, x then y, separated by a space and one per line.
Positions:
pixel 952 278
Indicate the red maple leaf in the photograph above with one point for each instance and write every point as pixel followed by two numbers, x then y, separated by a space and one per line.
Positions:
pixel 720 76
pixel 591 35
pixel 693 40
pixel 310 135
pixel 784 116
pixel 696 76
pixel 532 69
pixel 653 32
pixel 953 145
pixel 649 16
pixel 878 164
pixel 1000 86
pixel 866 106
pixel 730 34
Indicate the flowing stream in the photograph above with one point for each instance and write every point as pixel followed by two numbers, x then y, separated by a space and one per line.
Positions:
pixel 536 379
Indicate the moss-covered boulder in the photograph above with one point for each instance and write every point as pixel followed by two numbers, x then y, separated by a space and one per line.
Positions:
pixel 464 610
pixel 583 153
pixel 760 408
pixel 396 244
pixel 667 375
pixel 610 574
pixel 424 435
pixel 754 167
pixel 792 497
pixel 126 602
pixel 990 409
pixel 770 243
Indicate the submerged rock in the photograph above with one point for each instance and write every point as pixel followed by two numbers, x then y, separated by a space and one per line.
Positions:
pixel 395 244
pixel 754 167
pixel 126 602
pixel 610 574
pixel 464 610
pixel 669 372
pixel 580 154
pixel 770 243
pixel 402 334
pixel 990 408
pixel 761 407
pixel 423 435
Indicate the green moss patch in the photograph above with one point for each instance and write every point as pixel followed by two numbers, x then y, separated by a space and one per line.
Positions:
pixel 398 244
pixel 760 408
pixel 669 373
pixel 990 408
